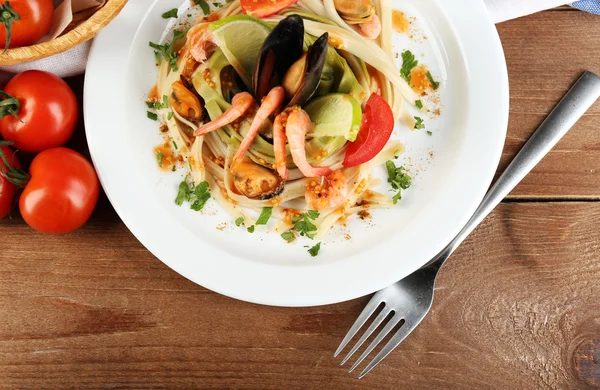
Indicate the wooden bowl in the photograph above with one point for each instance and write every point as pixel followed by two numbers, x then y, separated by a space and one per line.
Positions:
pixel 85 26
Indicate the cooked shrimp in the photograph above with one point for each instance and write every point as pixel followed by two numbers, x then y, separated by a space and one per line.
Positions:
pixel 269 105
pixel 240 104
pixel 330 192
pixel 371 29
pixel 279 141
pixel 201 41
pixel 297 125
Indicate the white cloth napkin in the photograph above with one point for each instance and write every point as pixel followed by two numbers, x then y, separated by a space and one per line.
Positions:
pixel 73 62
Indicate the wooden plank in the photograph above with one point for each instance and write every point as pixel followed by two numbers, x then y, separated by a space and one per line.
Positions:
pixel 546 53
pixel 95 309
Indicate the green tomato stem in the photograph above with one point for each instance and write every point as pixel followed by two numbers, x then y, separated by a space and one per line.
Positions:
pixel 7 17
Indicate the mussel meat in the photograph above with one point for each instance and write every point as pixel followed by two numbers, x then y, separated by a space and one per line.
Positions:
pixel 255 181
pixel 355 11
pixel 307 71
pixel 281 49
pixel 185 102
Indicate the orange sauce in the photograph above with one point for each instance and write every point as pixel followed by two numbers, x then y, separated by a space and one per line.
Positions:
pixel 165 156
pixel 419 81
pixel 153 95
pixel 212 17
pixel 400 22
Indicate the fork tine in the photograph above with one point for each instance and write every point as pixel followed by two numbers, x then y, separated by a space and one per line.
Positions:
pixel 360 321
pixel 378 320
pixel 384 332
pixel 399 337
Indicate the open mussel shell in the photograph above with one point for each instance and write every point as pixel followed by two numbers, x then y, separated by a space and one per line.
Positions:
pixel 354 9
pixel 255 181
pixel 311 77
pixel 281 49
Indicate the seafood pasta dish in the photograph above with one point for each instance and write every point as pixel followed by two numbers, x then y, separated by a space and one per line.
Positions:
pixel 281 112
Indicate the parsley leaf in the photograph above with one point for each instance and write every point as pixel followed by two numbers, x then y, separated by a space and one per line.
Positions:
pixel 167 51
pixel 239 221
pixel 265 215
pixel 289 236
pixel 183 193
pixel 408 63
pixel 152 116
pixel 196 195
pixel 419 104
pixel 170 14
pixel 398 178
pixel 434 84
pixel 250 229
pixel 314 251
pixel 204 5
pixel 420 123
pixel 397 197
pixel 304 226
pixel 200 196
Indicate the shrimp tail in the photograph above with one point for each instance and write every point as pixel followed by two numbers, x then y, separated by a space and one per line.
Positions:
pixel 279 141
pixel 239 105
pixel 270 104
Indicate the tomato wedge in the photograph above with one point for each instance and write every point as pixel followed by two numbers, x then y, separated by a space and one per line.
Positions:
pixel 264 8
pixel 375 132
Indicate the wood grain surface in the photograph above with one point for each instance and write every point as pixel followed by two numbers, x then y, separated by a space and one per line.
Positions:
pixel 517 307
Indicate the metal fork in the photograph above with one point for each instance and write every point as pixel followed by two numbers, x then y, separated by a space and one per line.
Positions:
pixel 409 300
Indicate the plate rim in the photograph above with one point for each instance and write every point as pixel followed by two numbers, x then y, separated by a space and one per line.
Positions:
pixel 303 298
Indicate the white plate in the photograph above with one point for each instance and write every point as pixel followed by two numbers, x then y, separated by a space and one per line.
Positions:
pixel 453 168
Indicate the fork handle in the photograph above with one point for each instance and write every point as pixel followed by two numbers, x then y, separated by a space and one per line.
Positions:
pixel 570 109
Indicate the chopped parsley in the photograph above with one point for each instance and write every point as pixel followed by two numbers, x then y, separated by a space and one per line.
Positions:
pixel 250 229
pixel 398 178
pixel 170 116
pixel 265 215
pixel 429 133
pixel 159 105
pixel 175 145
pixel 152 116
pixel 434 84
pixel 239 221
pixel 408 63
pixel 420 123
pixel 303 224
pixel 167 51
pixel 419 104
pixel 174 168
pixel 196 195
pixel 170 14
pixel 289 236
pixel 314 251
pixel 204 5
pixel 160 157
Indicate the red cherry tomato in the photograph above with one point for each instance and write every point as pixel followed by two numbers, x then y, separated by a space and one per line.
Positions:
pixel 62 193
pixel 47 108
pixel 7 188
pixel 375 132
pixel 264 8
pixel 32 23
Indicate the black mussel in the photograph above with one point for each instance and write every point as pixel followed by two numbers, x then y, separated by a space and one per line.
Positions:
pixel 281 49
pixel 302 79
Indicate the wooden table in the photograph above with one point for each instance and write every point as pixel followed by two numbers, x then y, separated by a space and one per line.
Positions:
pixel 517 307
